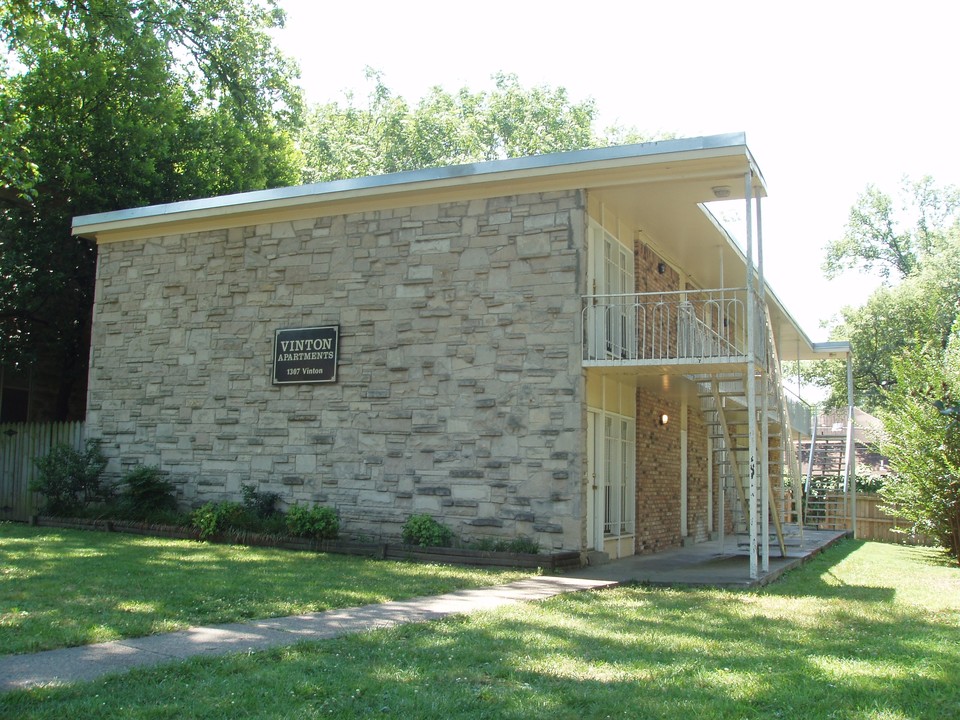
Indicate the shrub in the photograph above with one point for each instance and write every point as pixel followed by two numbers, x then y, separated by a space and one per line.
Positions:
pixel 145 493
pixel 261 504
pixel 524 545
pixel 69 479
pixel 214 518
pixel 517 545
pixel 317 522
pixel 424 531
pixel 922 441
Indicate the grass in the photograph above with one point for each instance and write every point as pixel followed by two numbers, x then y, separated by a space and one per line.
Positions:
pixel 865 631
pixel 60 588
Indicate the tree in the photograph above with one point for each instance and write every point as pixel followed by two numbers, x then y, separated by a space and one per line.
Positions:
pixel 922 442
pixel 18 174
pixel 919 309
pixel 117 104
pixel 389 135
pixel 875 240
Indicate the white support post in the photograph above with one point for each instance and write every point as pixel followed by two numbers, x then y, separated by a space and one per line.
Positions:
pixel 850 468
pixel 684 489
pixel 765 374
pixel 710 519
pixel 751 380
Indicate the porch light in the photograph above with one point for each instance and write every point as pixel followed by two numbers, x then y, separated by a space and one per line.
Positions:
pixel 664 419
pixel 721 191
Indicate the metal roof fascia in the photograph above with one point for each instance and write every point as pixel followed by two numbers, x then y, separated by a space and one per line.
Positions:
pixel 833 347
pixel 372 184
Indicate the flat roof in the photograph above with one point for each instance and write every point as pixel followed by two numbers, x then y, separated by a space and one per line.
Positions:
pixel 571 168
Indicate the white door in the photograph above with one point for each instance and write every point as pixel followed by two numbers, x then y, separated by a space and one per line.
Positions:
pixel 611 477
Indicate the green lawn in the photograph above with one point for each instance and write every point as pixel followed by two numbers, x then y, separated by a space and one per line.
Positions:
pixel 864 631
pixel 65 587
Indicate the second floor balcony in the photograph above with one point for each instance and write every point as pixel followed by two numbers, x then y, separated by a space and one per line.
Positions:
pixel 687 331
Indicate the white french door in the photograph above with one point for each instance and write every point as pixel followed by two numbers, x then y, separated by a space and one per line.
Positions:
pixel 611 320
pixel 611 477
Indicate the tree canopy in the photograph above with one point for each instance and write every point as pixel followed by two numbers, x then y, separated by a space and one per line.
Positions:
pixel 917 251
pixel 343 140
pixel 110 104
pixel 879 239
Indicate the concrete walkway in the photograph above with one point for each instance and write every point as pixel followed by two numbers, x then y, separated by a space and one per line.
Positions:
pixel 710 563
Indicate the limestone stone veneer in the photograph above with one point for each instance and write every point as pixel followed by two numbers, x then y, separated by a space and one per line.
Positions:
pixel 460 388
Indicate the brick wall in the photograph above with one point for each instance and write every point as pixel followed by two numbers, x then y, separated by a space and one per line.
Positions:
pixel 697 474
pixel 460 386
pixel 658 473
pixel 659 447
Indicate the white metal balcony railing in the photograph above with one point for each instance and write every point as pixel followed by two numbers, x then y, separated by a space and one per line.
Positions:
pixel 682 327
pixel 800 413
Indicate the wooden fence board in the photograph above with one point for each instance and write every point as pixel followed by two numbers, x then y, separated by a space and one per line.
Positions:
pixel 20 445
pixel 872 522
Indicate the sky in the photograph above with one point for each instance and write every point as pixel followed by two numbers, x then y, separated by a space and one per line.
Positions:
pixel 832 96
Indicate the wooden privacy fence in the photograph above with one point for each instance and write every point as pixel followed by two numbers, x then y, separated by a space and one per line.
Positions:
pixel 872 522
pixel 20 445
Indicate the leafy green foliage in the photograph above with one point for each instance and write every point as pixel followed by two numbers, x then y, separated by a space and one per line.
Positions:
pixel 319 523
pixel 389 135
pixel 215 518
pixel 146 493
pixel 259 503
pixel 18 174
pixel 919 310
pixel 115 104
pixel 69 479
pixel 516 545
pixel 424 531
pixel 876 239
pixel 922 442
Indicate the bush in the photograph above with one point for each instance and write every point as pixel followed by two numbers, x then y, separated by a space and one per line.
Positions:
pixel 424 531
pixel 517 545
pixel 318 522
pixel 922 441
pixel 69 480
pixel 261 504
pixel 214 518
pixel 145 494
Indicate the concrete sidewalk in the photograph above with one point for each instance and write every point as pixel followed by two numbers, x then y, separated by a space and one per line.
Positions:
pixel 89 662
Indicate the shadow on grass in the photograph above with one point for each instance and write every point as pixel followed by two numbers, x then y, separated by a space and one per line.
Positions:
pixel 816 646
pixel 70 588
pixel 630 652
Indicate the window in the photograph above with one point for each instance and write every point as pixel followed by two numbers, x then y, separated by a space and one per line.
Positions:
pixel 619 476
pixel 611 318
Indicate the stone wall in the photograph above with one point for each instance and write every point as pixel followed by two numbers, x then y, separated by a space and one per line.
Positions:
pixel 460 389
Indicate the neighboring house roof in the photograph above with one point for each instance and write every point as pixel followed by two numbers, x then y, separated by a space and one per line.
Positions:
pixel 659 188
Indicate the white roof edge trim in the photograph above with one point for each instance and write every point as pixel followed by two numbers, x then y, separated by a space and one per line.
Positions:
pixel 833 346
pixel 475 172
